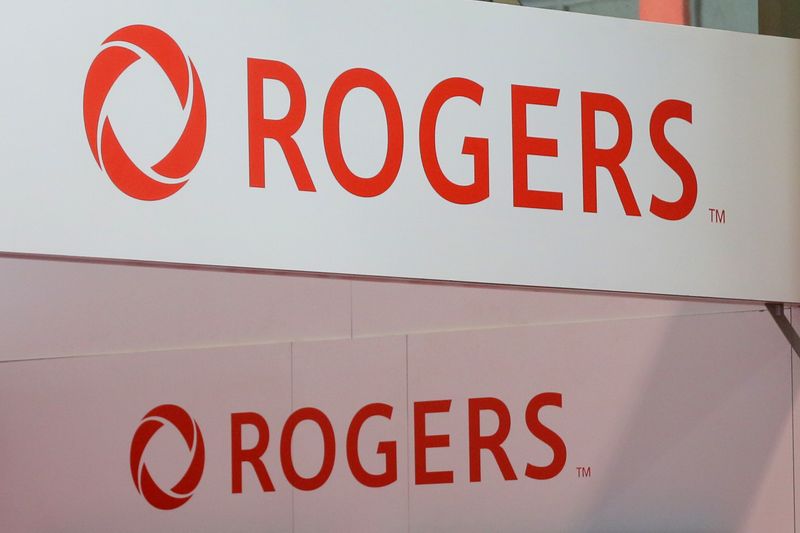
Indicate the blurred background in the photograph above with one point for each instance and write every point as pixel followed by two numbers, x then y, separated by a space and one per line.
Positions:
pixel 771 17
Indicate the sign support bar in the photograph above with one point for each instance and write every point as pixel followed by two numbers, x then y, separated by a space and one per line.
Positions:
pixel 776 310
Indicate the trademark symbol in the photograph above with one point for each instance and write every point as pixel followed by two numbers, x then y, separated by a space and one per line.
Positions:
pixel 584 471
pixel 717 215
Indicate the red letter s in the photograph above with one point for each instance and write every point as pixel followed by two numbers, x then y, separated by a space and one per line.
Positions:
pixel 546 435
pixel 683 206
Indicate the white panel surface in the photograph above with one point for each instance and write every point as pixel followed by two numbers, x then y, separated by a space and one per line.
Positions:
pixel 59 308
pixel 386 307
pixel 742 144
pixel 67 426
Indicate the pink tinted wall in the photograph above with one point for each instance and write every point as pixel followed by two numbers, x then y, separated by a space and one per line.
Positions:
pixel 683 409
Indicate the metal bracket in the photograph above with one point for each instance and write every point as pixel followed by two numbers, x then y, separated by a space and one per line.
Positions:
pixel 777 312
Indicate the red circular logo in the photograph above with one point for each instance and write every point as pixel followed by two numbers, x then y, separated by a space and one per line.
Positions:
pixel 121 50
pixel 183 489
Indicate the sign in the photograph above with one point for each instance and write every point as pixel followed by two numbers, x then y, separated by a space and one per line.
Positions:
pixel 435 140
pixel 570 427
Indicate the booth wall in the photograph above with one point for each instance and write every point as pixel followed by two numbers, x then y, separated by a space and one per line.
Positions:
pixel 682 409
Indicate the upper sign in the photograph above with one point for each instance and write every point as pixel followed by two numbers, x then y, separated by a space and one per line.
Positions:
pixel 423 139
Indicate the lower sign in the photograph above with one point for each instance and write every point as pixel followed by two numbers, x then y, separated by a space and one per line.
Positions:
pixel 549 428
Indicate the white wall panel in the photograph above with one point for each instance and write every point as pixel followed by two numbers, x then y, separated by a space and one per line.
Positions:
pixel 58 308
pixel 386 307
pixel 67 425
pixel 55 308
pixel 684 422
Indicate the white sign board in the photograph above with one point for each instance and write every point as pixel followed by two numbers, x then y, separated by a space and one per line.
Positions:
pixel 427 139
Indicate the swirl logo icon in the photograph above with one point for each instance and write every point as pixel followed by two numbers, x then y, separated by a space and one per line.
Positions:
pixel 184 488
pixel 122 49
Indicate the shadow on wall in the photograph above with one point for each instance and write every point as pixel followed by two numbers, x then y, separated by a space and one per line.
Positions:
pixel 744 366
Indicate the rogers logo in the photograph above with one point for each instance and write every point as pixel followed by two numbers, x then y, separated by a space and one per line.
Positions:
pixel 122 49
pixel 127 45
pixel 248 464
pixel 183 489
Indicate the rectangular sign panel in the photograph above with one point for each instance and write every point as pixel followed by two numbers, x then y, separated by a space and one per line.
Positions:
pixel 679 424
pixel 446 140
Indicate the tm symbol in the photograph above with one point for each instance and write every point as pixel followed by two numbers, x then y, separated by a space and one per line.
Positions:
pixel 717 215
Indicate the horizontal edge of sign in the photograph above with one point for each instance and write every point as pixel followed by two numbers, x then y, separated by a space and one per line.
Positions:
pixel 365 277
